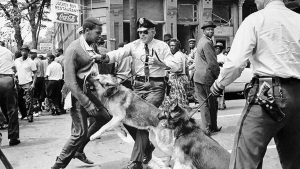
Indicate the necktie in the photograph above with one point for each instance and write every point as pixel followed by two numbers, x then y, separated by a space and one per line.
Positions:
pixel 146 67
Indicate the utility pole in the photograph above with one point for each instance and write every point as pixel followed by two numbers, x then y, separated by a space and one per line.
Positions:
pixel 133 18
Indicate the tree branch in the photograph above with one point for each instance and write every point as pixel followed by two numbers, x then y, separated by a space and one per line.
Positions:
pixel 4 10
pixel 29 4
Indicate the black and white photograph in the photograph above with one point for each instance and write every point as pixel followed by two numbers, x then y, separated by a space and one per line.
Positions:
pixel 149 84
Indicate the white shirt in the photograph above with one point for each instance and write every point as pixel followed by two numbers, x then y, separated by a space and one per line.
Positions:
pixel 25 69
pixel 157 49
pixel 180 59
pixel 54 71
pixel 270 39
pixel 6 61
pixel 221 58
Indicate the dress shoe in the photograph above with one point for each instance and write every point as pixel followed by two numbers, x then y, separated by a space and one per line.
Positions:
pixel 135 165
pixel 57 166
pixel 148 154
pixel 215 130
pixel 82 157
pixel 14 142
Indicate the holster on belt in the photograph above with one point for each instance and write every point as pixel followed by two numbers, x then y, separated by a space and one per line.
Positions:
pixel 265 96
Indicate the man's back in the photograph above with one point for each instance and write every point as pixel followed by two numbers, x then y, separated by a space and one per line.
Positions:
pixel 274 34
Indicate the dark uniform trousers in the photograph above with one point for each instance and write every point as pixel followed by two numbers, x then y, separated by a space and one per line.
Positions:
pixel 8 102
pixel 256 128
pixel 153 92
pixel 80 131
pixel 209 109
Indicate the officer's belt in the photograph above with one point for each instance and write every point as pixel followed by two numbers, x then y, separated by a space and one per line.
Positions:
pixel 275 81
pixel 144 79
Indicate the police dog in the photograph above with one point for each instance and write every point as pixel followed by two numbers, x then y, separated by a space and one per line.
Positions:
pixel 192 148
pixel 124 105
pixel 172 131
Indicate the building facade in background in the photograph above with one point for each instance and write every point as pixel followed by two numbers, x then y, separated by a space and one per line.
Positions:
pixel 181 18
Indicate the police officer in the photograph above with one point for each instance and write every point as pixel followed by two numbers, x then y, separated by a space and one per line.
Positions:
pixel 151 58
pixel 270 39
pixel 8 94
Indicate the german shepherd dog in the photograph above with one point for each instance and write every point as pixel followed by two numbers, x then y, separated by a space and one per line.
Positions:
pixel 171 131
pixel 193 149
pixel 124 105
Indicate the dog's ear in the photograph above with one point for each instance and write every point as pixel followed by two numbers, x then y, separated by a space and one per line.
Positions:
pixel 111 91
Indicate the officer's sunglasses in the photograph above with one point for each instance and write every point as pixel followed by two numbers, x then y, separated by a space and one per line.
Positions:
pixel 144 32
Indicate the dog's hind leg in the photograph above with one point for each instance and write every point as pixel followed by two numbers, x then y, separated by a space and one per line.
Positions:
pixel 114 122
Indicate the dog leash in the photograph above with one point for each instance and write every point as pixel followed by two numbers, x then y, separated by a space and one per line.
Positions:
pixel 191 115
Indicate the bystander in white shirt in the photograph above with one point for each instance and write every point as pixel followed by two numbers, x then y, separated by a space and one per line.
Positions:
pixel 25 69
pixel 54 71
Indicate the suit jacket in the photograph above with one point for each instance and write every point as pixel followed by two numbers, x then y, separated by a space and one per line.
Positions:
pixel 206 66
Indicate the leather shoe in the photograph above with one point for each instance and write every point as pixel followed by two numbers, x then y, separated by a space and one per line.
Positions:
pixel 82 157
pixel 57 166
pixel 216 129
pixel 135 165
pixel 148 154
pixel 14 142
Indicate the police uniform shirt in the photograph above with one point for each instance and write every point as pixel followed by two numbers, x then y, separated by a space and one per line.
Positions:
pixel 270 40
pixel 157 49
pixel 25 69
pixel 6 61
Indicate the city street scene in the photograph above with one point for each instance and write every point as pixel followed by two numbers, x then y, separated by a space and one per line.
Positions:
pixel 149 84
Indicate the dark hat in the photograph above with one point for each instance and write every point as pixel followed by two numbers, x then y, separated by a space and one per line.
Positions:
pixel 192 40
pixel 208 24
pixel 25 47
pixel 92 20
pixel 144 24
pixel 219 44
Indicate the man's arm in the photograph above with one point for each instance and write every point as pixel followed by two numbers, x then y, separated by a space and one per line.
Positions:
pixel 115 55
pixel 33 69
pixel 241 50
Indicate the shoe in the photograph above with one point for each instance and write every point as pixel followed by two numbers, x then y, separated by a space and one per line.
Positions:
pixel 135 165
pixel 30 118
pixel 148 154
pixel 13 142
pixel 57 166
pixel 24 118
pixel 215 130
pixel 36 114
pixel 82 157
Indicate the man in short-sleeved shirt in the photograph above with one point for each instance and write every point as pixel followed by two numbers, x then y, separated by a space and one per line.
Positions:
pixel 26 73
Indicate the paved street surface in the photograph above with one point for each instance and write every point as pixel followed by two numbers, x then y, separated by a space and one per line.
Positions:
pixel 42 140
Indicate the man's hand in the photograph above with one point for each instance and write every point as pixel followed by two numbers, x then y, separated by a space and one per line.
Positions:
pixel 31 87
pixel 101 58
pixel 216 90
pixel 91 109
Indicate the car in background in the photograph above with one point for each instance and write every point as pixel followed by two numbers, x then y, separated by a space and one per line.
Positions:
pixel 239 84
